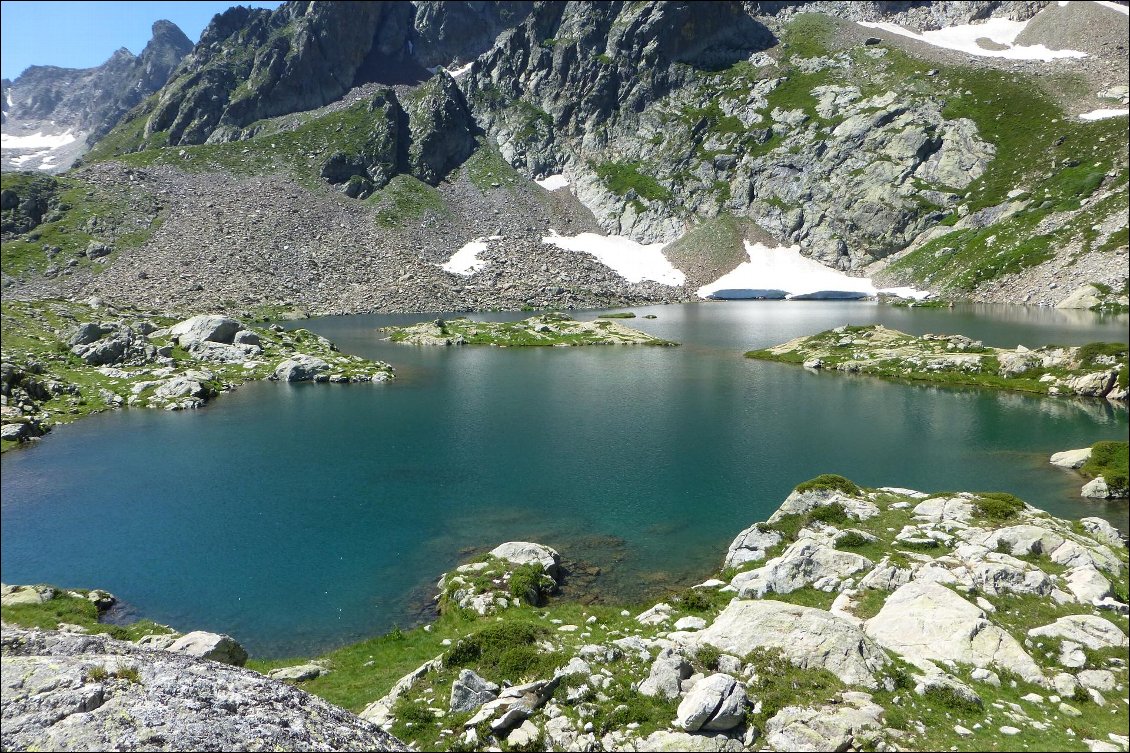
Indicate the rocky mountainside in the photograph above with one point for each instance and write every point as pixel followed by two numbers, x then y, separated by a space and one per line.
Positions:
pixel 377 157
pixel 51 115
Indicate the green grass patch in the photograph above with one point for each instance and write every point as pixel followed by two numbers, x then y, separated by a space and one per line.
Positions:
pixel 830 482
pixel 998 505
pixel 622 177
pixel 1111 460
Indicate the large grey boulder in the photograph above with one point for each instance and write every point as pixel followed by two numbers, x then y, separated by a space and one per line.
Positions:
pixel 1089 630
pixel 214 646
pixel 799 503
pixel 300 368
pixel 469 692
pixel 826 728
pixel 140 699
pixel 1071 458
pixel 204 328
pixel 667 673
pixel 925 621
pixel 668 741
pixel 803 564
pixel 750 545
pixel 1096 488
pixel 714 703
pixel 807 637
pixel 1103 531
pixel 528 553
pixel 297 673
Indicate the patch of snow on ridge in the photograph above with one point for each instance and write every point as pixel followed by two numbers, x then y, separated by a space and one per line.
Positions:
pixel 36 141
pixel 466 260
pixel 963 38
pixel 1103 114
pixel 1113 6
pixel 457 72
pixel 633 261
pixel 785 270
pixel 553 182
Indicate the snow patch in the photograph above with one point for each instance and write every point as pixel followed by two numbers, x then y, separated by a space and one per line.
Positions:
pixel 36 141
pixel 553 182
pixel 963 38
pixel 633 261
pixel 1103 114
pixel 466 260
pixel 17 161
pixel 782 272
pixel 457 72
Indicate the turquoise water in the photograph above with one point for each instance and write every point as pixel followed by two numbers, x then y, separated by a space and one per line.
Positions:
pixel 301 517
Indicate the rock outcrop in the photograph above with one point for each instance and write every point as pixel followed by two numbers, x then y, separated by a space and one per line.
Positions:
pixel 90 692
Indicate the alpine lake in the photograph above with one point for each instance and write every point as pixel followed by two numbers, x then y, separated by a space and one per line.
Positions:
pixel 299 517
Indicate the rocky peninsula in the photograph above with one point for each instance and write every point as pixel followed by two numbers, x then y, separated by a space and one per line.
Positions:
pixel 65 360
pixel 1104 463
pixel 1093 370
pixel 552 329
pixel 852 619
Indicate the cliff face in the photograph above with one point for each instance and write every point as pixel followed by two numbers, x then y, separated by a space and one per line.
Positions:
pixel 55 113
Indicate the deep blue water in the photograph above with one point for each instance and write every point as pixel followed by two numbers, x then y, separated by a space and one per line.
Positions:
pixel 301 517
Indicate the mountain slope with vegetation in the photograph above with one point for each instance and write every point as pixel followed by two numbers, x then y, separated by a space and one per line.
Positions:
pixel 970 176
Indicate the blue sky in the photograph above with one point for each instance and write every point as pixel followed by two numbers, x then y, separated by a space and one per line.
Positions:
pixel 85 34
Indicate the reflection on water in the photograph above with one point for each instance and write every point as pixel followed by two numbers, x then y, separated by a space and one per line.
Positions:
pixel 299 517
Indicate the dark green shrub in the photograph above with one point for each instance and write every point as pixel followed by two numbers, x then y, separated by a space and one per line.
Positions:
pixel 998 505
pixel 504 651
pixel 693 600
pixel 851 540
pixel 829 482
pixel 833 514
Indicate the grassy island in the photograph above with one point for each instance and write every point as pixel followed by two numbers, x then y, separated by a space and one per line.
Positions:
pixel 551 329
pixel 1093 370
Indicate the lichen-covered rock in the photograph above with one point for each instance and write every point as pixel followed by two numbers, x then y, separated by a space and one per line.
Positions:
pixel 803 564
pixel 301 368
pixel 667 673
pixel 750 545
pixel 213 646
pixel 808 637
pixel 827 728
pixel 469 692
pixel 204 328
pixel 926 621
pixel 715 703
pixel 90 692
pixel 529 553
pixel 1089 630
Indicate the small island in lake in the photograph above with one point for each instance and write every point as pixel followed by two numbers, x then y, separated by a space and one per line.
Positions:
pixel 1092 370
pixel 544 329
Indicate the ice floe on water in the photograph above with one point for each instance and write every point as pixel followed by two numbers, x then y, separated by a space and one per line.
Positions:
pixel 466 260
pixel 782 272
pixel 963 38
pixel 36 140
pixel 1103 114
pixel 553 182
pixel 633 261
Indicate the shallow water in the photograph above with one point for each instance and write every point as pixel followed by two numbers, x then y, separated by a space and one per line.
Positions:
pixel 301 517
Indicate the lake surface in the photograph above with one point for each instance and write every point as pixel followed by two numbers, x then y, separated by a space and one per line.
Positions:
pixel 301 517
